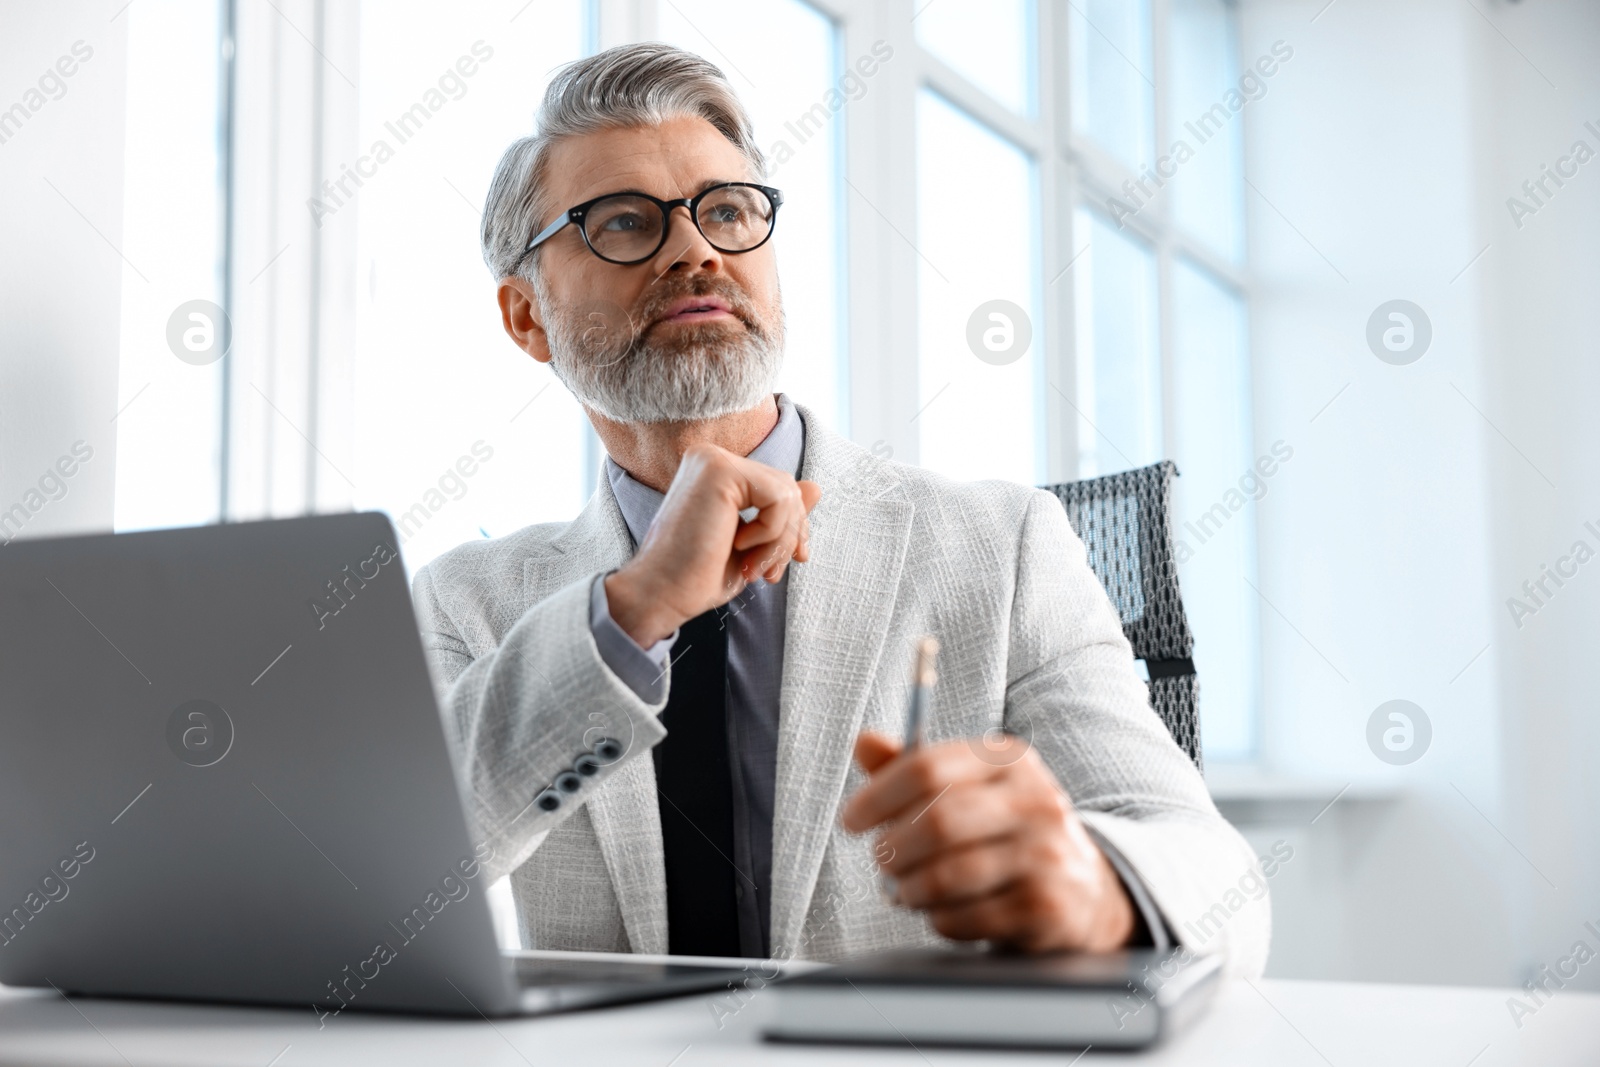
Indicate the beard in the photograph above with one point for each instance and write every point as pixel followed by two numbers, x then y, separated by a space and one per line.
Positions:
pixel 617 363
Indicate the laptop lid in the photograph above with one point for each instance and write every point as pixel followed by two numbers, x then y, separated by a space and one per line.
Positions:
pixel 226 776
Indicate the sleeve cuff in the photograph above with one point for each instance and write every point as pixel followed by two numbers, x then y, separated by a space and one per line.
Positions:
pixel 1160 937
pixel 644 670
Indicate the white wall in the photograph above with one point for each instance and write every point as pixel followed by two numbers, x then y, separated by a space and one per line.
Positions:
pixel 1542 379
pixel 1417 501
pixel 61 275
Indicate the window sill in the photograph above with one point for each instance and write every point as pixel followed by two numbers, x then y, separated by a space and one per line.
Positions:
pixel 1249 792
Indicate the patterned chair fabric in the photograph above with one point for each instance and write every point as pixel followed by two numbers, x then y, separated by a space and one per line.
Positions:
pixel 1124 522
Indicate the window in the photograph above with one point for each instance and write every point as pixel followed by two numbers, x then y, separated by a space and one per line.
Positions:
pixel 976 231
pixel 981 272
pixel 1214 503
pixel 169 426
pixel 796 95
pixel 457 434
pixel 1119 360
pixel 1161 348
pixel 988 43
pixel 1208 188
pixel 1113 79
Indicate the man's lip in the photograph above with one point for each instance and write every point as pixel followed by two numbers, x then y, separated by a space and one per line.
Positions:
pixel 696 309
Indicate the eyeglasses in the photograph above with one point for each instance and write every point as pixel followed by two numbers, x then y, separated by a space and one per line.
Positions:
pixel 629 228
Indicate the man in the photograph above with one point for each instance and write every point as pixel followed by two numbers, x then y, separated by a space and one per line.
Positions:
pixel 676 712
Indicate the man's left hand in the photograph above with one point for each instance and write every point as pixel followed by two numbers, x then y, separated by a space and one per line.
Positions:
pixel 982 838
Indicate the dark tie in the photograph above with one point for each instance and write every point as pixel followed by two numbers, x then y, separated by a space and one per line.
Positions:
pixel 695 788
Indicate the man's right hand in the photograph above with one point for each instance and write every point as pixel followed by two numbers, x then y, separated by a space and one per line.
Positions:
pixel 699 554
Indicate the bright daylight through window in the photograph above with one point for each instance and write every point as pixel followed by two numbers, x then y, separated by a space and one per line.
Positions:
pixel 1073 309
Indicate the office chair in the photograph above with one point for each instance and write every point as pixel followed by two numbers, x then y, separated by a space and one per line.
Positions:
pixel 1123 520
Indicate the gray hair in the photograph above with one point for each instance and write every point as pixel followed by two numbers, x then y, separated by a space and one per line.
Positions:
pixel 631 85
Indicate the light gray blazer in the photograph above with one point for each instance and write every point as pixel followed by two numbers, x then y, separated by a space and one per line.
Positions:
pixel 1029 641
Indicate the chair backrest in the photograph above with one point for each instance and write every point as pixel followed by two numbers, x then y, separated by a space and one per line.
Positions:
pixel 1124 522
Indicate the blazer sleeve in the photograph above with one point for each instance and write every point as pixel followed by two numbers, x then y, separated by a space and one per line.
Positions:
pixel 1073 689
pixel 528 717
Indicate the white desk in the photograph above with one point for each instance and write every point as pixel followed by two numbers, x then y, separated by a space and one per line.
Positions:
pixel 1282 1023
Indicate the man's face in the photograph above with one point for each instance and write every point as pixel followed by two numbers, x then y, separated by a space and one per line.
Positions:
pixel 691 333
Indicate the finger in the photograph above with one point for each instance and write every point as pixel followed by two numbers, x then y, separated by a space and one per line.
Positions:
pixel 772 537
pixel 760 561
pixel 771 522
pixel 1009 916
pixel 770 560
pixel 748 563
pixel 1029 915
pixel 810 493
pixel 915 779
pixel 774 573
pixel 794 543
pixel 960 817
pixel 960 876
pixel 733 579
pixel 802 551
pixel 873 750
pixel 781 502
pixel 776 496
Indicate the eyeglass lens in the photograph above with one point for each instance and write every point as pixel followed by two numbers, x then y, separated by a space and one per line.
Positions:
pixel 733 218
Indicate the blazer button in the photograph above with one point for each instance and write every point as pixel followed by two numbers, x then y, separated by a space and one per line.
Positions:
pixel 568 782
pixel 587 765
pixel 548 800
pixel 608 749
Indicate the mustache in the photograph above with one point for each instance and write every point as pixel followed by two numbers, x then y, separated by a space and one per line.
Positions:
pixel 653 303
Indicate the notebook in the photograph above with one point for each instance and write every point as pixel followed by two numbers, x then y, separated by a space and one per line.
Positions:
pixel 979 998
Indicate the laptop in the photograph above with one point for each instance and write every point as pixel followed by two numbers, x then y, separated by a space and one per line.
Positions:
pixel 226 778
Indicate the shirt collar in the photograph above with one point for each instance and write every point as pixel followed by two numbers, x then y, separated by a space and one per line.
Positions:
pixel 782 449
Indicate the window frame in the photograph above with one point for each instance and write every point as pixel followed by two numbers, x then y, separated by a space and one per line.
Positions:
pixel 878 272
pixel 880 179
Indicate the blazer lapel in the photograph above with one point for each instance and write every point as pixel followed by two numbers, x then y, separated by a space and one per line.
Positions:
pixel 840 605
pixel 626 820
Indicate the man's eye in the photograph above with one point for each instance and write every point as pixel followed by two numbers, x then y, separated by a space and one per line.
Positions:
pixel 724 213
pixel 624 223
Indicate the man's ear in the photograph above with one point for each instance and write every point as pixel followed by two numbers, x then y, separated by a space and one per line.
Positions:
pixel 521 315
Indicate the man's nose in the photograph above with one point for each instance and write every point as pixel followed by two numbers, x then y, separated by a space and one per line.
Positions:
pixel 686 247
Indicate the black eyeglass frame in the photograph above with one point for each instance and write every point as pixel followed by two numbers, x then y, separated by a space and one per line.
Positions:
pixel 576 215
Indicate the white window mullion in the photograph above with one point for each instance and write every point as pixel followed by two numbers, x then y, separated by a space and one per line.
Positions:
pixel 1163 243
pixel 624 21
pixel 1025 133
pixel 1056 338
pixel 1235 275
pixel 1159 39
pixel 1073 243
pixel 291 299
pixel 331 466
pixel 272 251
pixel 880 209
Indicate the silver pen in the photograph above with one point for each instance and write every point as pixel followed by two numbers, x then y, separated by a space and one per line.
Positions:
pixel 922 679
